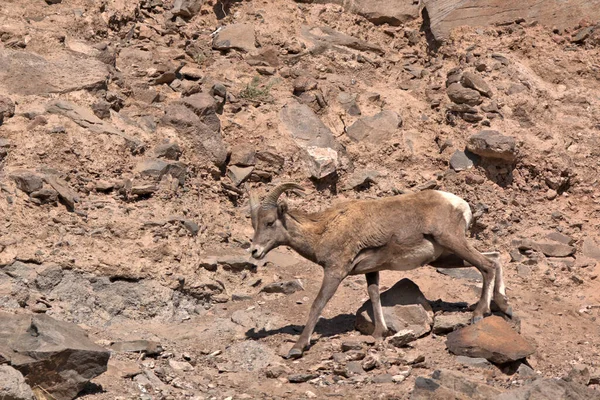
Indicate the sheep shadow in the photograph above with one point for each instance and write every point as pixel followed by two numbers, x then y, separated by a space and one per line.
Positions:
pixel 326 327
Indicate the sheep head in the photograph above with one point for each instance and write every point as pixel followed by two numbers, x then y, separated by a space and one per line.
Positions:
pixel 267 220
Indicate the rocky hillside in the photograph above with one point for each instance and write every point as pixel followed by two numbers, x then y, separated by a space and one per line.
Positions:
pixel 130 132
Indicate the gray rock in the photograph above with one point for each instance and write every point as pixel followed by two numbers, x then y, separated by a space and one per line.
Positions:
pixel 324 37
pixel 361 177
pixel 48 277
pixel 462 95
pixel 550 389
pixel 403 337
pixel 51 354
pixel 45 196
pixel 186 8
pixel 376 129
pixel 235 36
pixel 322 161
pixel 475 81
pixel 285 287
pixel 13 386
pixel 445 384
pixel 27 181
pixel 473 362
pixel 547 247
pixel 305 127
pixel 155 168
pixel 242 155
pixel 492 144
pixel 580 374
pixel 462 161
pixel 493 339
pixel 471 274
pixel 591 249
pixel 392 12
pixel 7 108
pixel 205 107
pixel 348 103
pixel 206 137
pixel 238 174
pixel 234 260
pixel 382 378
pixel 448 322
pixel 404 308
pixel 170 151
pixel 66 195
pixel 86 118
pixel 302 377
pixel 561 238
pixel 183 366
pixel 147 347
pixel 26 73
pixel 304 83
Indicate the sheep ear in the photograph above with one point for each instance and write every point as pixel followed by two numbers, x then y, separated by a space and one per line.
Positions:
pixel 282 208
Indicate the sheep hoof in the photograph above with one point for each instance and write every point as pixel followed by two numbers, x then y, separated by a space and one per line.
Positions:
pixel 476 319
pixel 294 353
pixel 509 312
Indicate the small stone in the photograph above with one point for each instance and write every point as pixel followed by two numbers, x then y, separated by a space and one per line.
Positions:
pixel 170 151
pixel 191 72
pixel 551 194
pixel 180 365
pixel 462 161
pixel 402 338
pixel 27 181
pixel 7 108
pixel 304 83
pixel 239 174
pixel 266 70
pixel 376 129
pixel 591 249
pixel 383 378
pixel 286 287
pixel 347 346
pixel 322 161
pixel 474 81
pixel 303 377
pixel 242 155
pixel 413 357
pixel 147 347
pixel 348 103
pixel 144 189
pixel 275 371
pixel 462 95
pixel 370 362
pixel 473 362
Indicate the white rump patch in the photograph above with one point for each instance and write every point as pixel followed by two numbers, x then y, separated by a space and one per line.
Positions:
pixel 459 204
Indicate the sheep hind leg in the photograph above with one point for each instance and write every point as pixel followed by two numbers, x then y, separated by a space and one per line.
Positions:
pixel 378 320
pixel 459 246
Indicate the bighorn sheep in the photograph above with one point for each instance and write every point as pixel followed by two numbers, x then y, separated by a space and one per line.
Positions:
pixel 367 236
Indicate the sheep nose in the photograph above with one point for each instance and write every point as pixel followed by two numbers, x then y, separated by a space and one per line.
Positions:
pixel 254 252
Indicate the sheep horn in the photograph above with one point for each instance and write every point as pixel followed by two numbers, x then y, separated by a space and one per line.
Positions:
pixel 254 206
pixel 271 199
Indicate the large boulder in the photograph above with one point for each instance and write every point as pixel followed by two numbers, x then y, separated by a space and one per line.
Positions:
pixel 13 386
pixel 54 355
pixel 405 308
pixel 492 338
pixel 445 15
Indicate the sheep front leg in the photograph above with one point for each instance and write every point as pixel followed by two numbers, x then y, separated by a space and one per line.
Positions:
pixel 328 288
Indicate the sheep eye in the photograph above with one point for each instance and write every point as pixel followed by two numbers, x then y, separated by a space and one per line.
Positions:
pixel 269 224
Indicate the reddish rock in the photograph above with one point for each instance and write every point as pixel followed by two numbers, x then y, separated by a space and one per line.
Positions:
pixel 493 339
